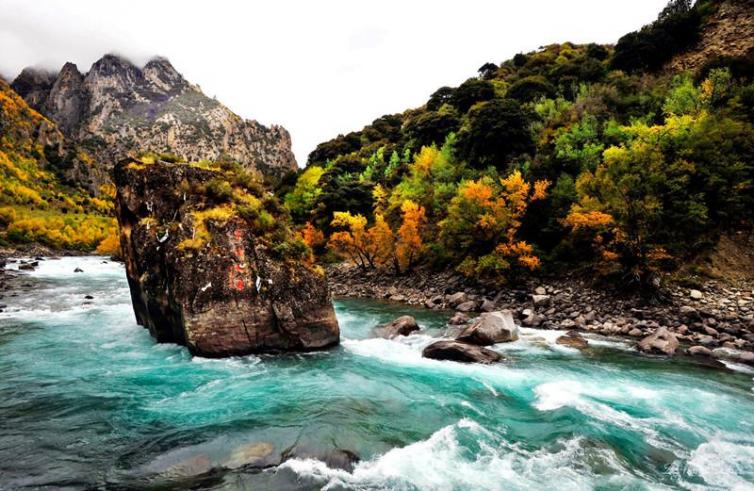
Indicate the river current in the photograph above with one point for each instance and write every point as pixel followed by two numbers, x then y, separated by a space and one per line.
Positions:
pixel 89 400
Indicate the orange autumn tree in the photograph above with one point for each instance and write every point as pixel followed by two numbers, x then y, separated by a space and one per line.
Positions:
pixel 410 245
pixel 483 221
pixel 365 247
pixel 312 236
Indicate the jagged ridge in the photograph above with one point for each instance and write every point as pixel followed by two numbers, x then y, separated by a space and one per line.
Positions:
pixel 117 109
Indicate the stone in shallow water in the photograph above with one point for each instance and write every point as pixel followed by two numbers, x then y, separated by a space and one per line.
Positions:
pixel 463 352
pixel 255 454
pixel 573 339
pixel 491 328
pixel 661 341
pixel 402 326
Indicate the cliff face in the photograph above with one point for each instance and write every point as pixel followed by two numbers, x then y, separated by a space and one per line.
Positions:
pixel 203 273
pixel 728 31
pixel 118 109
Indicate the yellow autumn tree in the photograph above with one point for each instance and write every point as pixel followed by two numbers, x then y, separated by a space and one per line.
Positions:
pixel 410 245
pixel 483 221
pixel 353 240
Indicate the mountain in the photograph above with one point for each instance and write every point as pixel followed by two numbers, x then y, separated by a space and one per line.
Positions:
pixel 117 109
pixel 44 184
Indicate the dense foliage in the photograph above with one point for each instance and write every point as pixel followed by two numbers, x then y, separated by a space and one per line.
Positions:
pixel 36 204
pixel 573 155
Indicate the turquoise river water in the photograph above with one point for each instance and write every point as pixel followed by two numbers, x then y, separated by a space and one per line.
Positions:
pixel 89 400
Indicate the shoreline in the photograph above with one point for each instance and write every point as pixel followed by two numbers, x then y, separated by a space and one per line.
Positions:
pixel 710 320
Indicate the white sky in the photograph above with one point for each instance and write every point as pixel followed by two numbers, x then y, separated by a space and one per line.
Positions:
pixel 319 68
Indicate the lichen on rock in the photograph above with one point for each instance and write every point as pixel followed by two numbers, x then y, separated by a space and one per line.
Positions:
pixel 212 263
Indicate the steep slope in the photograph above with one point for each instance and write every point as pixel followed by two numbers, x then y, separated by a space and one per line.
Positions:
pixel 39 201
pixel 117 109
pixel 631 169
pixel 728 31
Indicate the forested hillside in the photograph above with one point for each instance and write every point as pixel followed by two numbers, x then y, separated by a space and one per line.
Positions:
pixel 572 157
pixel 42 199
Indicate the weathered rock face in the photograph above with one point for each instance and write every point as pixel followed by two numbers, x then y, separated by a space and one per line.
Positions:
pixel 117 110
pixel 231 295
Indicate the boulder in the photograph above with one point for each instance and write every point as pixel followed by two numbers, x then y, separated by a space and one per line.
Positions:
pixel 491 328
pixel 335 458
pixel 695 294
pixel 660 341
pixel 487 305
pixel 203 271
pixel 463 352
pixel 573 339
pixel 256 455
pixel 540 300
pixel 468 306
pixel 402 326
pixel 699 351
pixel 458 319
pixel 457 299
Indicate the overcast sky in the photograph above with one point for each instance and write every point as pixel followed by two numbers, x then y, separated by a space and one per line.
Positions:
pixel 319 68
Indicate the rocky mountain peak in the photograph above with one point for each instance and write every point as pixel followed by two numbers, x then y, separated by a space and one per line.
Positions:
pixel 33 84
pixel 161 73
pixel 113 72
pixel 118 109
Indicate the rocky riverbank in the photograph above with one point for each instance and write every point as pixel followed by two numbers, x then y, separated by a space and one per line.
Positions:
pixel 712 319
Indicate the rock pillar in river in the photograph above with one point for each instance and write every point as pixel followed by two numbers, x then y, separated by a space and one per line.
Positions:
pixel 209 264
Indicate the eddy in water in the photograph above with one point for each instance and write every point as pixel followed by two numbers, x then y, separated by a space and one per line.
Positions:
pixel 89 400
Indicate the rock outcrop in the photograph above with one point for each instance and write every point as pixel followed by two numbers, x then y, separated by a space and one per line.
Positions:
pixel 728 32
pixel 117 109
pixel 209 263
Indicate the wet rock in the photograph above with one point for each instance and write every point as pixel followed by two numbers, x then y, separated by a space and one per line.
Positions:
pixel 462 352
pixel 26 267
pixel 434 302
pixel 88 297
pixel 487 305
pixel 699 351
pixel 78 270
pixel 458 319
pixel 402 326
pixel 745 357
pixel 468 306
pixel 257 454
pixel 229 294
pixel 194 466
pixel 457 298
pixel 337 458
pixel 661 341
pixel 491 328
pixel 573 339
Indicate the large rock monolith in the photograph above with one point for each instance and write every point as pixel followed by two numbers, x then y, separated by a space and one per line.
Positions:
pixel 211 264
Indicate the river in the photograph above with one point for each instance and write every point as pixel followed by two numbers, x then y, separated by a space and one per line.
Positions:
pixel 88 399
